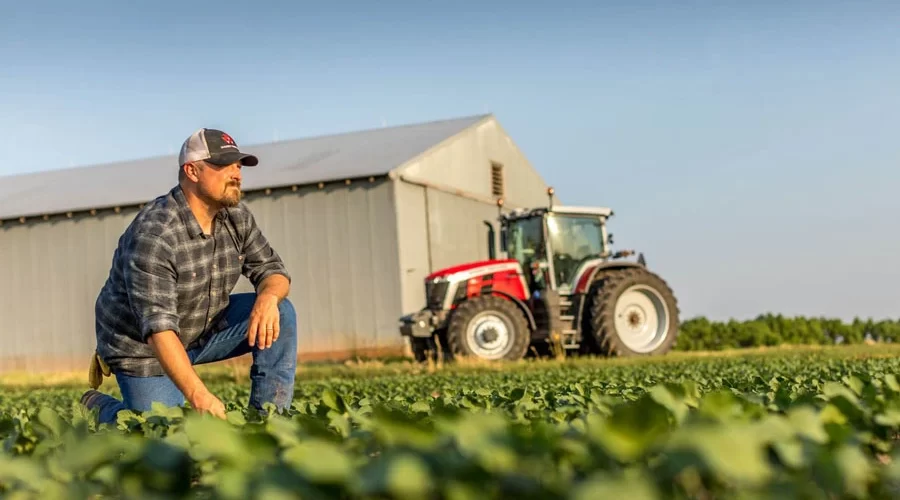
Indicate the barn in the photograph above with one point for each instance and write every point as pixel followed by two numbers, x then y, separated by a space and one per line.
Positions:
pixel 360 219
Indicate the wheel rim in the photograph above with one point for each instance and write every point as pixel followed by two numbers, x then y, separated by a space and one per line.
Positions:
pixel 488 336
pixel 642 318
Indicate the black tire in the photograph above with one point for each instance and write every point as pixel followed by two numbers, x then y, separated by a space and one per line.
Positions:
pixel 472 310
pixel 603 336
pixel 589 345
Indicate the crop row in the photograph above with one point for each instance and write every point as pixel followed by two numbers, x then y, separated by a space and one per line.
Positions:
pixel 789 425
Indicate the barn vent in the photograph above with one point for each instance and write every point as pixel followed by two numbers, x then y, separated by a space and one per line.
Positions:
pixel 497 186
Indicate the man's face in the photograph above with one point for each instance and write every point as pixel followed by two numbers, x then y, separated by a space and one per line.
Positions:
pixel 221 184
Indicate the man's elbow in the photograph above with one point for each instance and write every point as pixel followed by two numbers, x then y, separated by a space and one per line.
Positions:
pixel 275 283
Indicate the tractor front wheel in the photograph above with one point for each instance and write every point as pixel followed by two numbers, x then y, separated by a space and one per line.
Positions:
pixel 633 312
pixel 489 328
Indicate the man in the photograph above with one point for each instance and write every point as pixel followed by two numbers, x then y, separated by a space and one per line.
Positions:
pixel 167 303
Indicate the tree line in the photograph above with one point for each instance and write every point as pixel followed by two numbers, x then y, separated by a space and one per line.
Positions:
pixel 700 333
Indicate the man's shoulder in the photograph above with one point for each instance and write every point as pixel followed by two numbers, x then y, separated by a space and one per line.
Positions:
pixel 158 217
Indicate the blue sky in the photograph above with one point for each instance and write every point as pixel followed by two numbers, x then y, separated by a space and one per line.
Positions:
pixel 750 149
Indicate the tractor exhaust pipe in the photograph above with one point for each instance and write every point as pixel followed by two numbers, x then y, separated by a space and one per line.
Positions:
pixel 492 245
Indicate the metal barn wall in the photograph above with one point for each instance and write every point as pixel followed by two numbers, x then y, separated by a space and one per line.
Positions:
pixel 340 246
pixel 464 163
pixel 456 228
pixel 414 253
pixel 51 273
pixel 339 243
pixel 444 196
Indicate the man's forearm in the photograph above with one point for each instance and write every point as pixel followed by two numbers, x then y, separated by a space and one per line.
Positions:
pixel 276 285
pixel 175 362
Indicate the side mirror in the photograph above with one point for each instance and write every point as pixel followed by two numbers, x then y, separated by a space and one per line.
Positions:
pixel 503 246
pixel 610 237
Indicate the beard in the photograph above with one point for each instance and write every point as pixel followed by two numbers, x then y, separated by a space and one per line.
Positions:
pixel 231 196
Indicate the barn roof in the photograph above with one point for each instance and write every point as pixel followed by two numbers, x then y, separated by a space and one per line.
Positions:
pixel 351 155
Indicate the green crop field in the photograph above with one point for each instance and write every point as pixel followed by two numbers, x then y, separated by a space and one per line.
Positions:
pixel 785 423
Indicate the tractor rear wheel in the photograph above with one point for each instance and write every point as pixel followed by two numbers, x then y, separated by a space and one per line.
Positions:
pixel 632 312
pixel 489 328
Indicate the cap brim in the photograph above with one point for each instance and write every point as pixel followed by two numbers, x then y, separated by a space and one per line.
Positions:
pixel 223 159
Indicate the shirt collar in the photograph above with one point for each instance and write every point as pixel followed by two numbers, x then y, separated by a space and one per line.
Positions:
pixel 184 210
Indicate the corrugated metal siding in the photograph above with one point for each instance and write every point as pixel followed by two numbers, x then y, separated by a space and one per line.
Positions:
pixel 412 228
pixel 458 233
pixel 51 273
pixel 340 244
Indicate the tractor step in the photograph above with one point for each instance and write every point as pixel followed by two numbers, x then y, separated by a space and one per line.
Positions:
pixel 568 339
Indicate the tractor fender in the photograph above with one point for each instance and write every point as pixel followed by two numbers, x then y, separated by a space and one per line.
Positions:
pixel 623 264
pixel 520 304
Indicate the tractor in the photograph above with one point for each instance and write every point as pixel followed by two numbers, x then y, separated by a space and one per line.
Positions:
pixel 558 286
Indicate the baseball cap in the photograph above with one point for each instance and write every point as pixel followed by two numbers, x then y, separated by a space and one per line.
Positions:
pixel 213 146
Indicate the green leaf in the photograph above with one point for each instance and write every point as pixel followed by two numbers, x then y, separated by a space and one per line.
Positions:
pixel 400 474
pixel 855 384
pixel 236 418
pixel 319 461
pixel 605 485
pixel 889 418
pixel 283 430
pixel 420 407
pixel 720 405
pixel 734 452
pixel 50 419
pixel 808 424
pixel 333 401
pixel 631 429
pixel 213 438
pixel 408 477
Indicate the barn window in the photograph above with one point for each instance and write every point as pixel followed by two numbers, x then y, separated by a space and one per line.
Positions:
pixel 497 187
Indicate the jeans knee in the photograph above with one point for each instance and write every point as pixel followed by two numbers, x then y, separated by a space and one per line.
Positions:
pixel 287 312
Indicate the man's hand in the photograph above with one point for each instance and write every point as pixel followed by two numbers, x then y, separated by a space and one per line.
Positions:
pixel 264 321
pixel 265 317
pixel 206 402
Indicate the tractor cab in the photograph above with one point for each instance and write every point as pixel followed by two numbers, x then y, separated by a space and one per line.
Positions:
pixel 553 244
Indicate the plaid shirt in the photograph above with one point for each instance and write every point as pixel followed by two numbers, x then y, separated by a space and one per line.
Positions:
pixel 167 275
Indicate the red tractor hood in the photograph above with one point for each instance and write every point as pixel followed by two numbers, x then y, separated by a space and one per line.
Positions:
pixel 441 273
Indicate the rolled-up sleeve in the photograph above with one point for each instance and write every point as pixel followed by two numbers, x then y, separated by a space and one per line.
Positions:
pixel 260 259
pixel 150 278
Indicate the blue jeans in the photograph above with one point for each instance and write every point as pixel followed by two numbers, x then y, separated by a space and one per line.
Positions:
pixel 271 374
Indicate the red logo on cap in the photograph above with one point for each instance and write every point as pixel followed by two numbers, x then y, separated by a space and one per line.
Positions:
pixel 227 139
